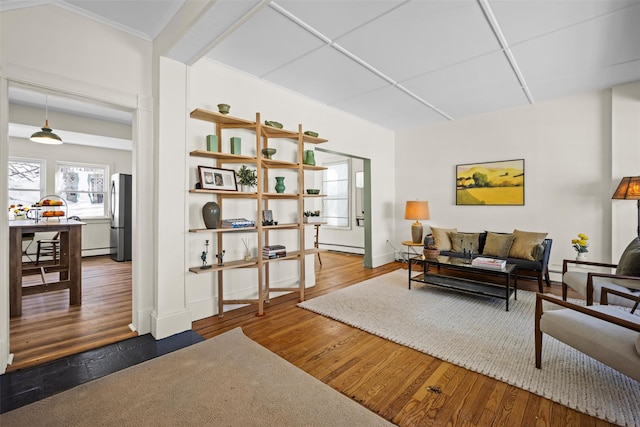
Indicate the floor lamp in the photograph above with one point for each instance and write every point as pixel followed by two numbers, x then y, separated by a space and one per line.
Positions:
pixel 416 210
pixel 629 189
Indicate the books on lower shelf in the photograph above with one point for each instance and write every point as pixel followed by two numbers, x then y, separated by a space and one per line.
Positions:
pixel 237 223
pixel 498 264
pixel 274 251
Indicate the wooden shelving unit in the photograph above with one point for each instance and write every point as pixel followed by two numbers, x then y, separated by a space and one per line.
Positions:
pixel 263 134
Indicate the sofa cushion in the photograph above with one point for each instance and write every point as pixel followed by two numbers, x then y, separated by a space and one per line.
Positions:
pixel 441 237
pixel 461 242
pixel 525 244
pixel 497 244
pixel 629 264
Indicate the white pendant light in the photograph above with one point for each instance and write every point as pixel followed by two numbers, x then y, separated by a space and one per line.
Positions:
pixel 46 135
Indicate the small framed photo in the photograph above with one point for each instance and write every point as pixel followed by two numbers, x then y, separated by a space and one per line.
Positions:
pixel 217 179
pixel 267 215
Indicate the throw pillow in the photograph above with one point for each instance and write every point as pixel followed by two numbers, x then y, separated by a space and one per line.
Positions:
pixel 629 264
pixel 461 242
pixel 497 244
pixel 442 238
pixel 525 244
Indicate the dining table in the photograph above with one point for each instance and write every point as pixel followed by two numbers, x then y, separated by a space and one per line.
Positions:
pixel 69 264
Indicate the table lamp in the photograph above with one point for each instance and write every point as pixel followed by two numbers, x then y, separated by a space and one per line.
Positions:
pixel 629 189
pixel 416 210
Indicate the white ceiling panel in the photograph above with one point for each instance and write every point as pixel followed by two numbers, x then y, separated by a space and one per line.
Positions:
pixel 390 107
pixel 264 43
pixel 326 75
pixel 422 36
pixel 526 19
pixel 210 27
pixel 580 51
pixel 481 84
pixel 334 18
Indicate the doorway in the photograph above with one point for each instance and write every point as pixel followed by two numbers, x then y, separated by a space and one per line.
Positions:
pixel 91 128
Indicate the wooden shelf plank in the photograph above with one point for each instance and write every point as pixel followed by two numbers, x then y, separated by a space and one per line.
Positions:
pixel 228 194
pixel 224 119
pixel 222 230
pixel 280 196
pixel 315 195
pixel 314 168
pixel 313 139
pixel 272 132
pixel 280 226
pixel 253 262
pixel 227 157
pixel 279 164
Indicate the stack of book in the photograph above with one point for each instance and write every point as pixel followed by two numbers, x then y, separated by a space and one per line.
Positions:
pixel 237 223
pixel 497 264
pixel 274 251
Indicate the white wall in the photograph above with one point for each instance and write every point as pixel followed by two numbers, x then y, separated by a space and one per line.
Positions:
pixel 211 84
pixel 567 148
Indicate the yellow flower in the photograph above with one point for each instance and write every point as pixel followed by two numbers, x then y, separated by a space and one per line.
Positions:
pixel 574 241
pixel 583 236
pixel 582 242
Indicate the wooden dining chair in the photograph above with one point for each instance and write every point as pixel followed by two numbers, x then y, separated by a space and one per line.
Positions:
pixel 48 247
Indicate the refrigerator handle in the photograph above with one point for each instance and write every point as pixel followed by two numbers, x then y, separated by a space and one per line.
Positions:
pixel 113 200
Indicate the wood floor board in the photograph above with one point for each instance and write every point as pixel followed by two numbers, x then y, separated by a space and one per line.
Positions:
pixel 398 383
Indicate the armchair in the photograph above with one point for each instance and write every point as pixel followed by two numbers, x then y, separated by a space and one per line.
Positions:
pixel 589 284
pixel 605 333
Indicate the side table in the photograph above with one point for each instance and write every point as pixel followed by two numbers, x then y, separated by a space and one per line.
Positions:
pixel 410 251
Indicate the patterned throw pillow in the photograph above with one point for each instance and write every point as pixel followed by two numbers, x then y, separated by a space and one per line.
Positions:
pixel 498 244
pixel 525 244
pixel 441 237
pixel 461 242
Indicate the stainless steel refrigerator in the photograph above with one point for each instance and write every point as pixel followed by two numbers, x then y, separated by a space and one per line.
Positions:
pixel 121 217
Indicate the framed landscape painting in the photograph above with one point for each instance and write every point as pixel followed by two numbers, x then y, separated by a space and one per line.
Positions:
pixel 498 183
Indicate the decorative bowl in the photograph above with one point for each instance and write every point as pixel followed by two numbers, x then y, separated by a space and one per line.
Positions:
pixel 268 152
pixel 311 133
pixel 431 253
pixel 223 108
pixel 273 124
pixel 313 191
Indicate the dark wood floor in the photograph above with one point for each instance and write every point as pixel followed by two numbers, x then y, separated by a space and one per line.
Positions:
pixel 389 379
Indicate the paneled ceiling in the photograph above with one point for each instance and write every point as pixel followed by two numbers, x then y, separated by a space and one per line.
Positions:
pixel 401 64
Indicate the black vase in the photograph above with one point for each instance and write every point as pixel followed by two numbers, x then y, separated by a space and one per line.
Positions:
pixel 211 214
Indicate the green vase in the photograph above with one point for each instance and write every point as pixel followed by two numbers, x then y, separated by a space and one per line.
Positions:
pixel 279 184
pixel 309 158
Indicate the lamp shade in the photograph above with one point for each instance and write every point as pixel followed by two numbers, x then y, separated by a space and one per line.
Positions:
pixel 628 189
pixel 416 210
pixel 46 136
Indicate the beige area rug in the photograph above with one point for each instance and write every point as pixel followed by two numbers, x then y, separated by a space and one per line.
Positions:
pixel 228 380
pixel 477 333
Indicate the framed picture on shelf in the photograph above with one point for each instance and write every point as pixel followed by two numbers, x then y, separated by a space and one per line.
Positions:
pixel 491 183
pixel 217 179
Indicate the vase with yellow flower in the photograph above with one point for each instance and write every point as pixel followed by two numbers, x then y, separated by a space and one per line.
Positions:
pixel 580 245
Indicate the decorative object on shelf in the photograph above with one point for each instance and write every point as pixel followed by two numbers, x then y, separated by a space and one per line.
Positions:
pixel 311 133
pixel 280 184
pixel 273 124
pixel 212 142
pixel 268 152
pixel 203 257
pixel 309 158
pixel 267 217
pixel 629 189
pixel 219 257
pixel 431 251
pixel 238 223
pixel 580 245
pixel 247 178
pixel 247 251
pixel 224 108
pixel 46 135
pixel 235 145
pixel 416 210
pixel 313 191
pixel 217 179
pixel 211 215
pixel 312 216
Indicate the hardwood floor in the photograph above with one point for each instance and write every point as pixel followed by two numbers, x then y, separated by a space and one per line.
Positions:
pixel 400 384
pixel 50 329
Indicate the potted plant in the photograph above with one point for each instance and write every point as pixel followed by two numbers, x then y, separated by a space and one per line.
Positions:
pixel 247 178
pixel 312 216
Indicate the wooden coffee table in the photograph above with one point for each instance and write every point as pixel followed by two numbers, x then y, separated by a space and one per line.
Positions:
pixel 466 284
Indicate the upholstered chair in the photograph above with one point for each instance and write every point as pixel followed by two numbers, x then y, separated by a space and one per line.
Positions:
pixel 589 284
pixel 608 334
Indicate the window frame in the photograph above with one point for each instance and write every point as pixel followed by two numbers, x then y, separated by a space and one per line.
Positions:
pixel 43 176
pixel 106 202
pixel 327 197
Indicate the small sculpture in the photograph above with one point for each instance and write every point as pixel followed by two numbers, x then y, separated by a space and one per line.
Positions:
pixel 219 256
pixel 203 257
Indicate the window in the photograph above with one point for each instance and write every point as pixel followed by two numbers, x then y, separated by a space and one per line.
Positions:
pixel 26 181
pixel 84 187
pixel 335 184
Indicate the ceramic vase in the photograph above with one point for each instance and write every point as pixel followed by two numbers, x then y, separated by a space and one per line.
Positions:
pixel 211 214
pixel 309 158
pixel 581 256
pixel 279 184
